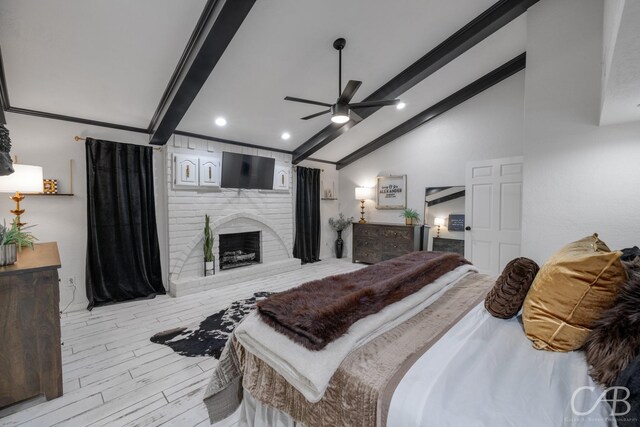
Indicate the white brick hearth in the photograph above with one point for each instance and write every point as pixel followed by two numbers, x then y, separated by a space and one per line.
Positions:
pixel 231 211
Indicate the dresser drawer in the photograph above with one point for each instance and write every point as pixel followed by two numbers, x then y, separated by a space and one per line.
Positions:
pixel 397 233
pixel 368 255
pixel 360 230
pixel 367 243
pixel 379 242
pixel 398 246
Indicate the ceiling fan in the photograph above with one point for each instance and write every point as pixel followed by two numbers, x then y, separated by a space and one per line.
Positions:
pixel 342 110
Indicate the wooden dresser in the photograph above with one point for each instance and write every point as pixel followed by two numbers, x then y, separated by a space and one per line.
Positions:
pixel 31 359
pixel 448 245
pixel 375 242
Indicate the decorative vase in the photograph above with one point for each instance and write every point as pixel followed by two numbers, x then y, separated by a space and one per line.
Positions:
pixel 8 254
pixel 209 268
pixel 339 245
pixel 408 221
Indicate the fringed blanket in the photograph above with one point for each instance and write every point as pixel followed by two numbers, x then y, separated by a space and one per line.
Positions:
pixel 318 312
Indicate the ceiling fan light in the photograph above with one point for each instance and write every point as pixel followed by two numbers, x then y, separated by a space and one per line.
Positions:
pixel 339 119
pixel 339 113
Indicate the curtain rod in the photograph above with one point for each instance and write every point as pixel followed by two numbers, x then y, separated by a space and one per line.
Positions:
pixel 296 167
pixel 79 138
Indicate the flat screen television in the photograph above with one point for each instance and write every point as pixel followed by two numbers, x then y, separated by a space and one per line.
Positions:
pixel 244 171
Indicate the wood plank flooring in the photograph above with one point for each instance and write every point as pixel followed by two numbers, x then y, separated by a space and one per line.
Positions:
pixel 114 376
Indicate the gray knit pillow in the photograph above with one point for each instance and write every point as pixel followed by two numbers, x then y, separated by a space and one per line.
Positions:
pixel 507 296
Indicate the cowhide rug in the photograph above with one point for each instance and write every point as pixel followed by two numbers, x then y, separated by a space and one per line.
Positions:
pixel 209 338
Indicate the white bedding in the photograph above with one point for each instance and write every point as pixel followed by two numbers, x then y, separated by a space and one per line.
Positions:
pixel 484 372
pixel 310 371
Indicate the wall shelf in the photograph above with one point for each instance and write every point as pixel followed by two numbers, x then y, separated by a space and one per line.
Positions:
pixel 329 198
pixel 48 194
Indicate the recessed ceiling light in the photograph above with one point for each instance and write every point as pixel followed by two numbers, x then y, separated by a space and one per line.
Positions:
pixel 285 135
pixel 400 105
pixel 221 121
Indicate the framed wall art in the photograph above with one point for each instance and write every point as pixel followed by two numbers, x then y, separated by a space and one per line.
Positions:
pixel 50 186
pixel 391 192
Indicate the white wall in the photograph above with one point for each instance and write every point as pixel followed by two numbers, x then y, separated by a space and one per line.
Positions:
pixel 579 178
pixel 487 126
pixel 49 143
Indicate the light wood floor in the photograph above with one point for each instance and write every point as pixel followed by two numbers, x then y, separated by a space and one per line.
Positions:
pixel 113 375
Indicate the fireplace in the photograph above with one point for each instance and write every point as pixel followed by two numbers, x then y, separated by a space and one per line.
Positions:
pixel 239 250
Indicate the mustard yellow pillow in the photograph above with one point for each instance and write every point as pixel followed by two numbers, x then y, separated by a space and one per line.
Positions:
pixel 571 291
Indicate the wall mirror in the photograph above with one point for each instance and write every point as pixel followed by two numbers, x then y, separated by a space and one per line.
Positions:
pixel 444 211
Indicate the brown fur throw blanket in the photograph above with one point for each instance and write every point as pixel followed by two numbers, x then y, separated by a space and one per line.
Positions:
pixel 615 340
pixel 318 312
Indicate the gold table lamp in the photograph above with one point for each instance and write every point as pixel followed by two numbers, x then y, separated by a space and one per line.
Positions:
pixel 25 179
pixel 362 194
pixel 439 221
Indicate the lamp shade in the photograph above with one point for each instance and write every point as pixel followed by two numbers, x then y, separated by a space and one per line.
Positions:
pixel 438 221
pixel 25 179
pixel 363 193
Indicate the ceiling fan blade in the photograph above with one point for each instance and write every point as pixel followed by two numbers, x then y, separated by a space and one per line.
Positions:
pixel 306 101
pixel 315 115
pixel 381 103
pixel 348 92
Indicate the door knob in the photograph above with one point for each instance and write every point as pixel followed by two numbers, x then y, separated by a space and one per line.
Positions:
pixel 467 228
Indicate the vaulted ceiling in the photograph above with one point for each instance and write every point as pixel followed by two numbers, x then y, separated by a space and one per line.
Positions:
pixel 621 79
pixel 111 61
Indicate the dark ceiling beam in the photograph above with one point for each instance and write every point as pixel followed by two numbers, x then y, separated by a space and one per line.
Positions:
pixel 229 141
pixel 329 162
pixel 483 83
pixel 205 17
pixel 53 116
pixel 491 20
pixel 213 39
pixel 4 94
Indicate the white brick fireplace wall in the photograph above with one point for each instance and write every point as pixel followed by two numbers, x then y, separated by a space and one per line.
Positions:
pixel 231 211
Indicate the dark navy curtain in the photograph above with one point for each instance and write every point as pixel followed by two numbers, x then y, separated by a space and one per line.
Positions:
pixel 123 254
pixel 307 240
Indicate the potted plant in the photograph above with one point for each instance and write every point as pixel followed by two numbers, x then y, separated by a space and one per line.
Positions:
pixel 12 240
pixel 209 259
pixel 339 225
pixel 410 215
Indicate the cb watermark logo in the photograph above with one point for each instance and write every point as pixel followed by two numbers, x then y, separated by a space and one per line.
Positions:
pixel 617 397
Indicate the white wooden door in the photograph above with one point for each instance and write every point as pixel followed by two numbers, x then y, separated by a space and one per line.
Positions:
pixel 493 210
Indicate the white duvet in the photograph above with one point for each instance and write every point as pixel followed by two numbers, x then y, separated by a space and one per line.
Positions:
pixel 484 372
pixel 310 371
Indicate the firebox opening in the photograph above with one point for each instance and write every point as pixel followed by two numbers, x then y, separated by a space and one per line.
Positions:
pixel 239 250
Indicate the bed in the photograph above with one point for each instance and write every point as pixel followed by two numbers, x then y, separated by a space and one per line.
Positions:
pixel 446 363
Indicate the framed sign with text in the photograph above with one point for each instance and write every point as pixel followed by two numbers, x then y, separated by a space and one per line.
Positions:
pixel 456 222
pixel 391 192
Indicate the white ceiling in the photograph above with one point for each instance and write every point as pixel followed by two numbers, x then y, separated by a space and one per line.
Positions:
pixel 495 50
pixel 106 60
pixel 621 94
pixel 285 48
pixel 110 60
